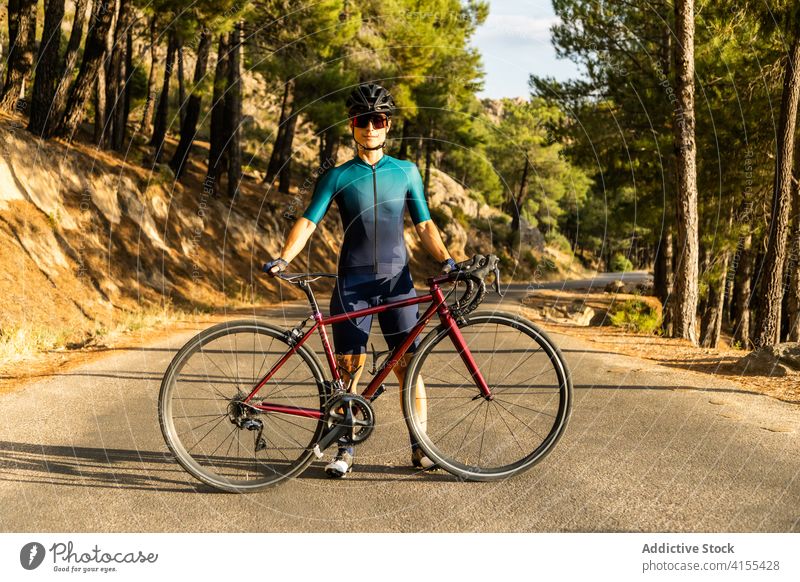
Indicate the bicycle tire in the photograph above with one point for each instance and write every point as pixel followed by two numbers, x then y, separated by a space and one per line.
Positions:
pixel 216 393
pixel 433 429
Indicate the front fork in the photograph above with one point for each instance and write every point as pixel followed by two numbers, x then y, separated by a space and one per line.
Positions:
pixel 461 346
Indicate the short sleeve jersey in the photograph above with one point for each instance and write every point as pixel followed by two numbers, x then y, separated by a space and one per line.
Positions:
pixel 372 200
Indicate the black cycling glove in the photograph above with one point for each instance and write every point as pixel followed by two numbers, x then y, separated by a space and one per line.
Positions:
pixel 448 265
pixel 280 263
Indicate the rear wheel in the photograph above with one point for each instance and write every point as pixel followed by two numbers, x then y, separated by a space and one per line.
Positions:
pixel 218 439
pixel 479 439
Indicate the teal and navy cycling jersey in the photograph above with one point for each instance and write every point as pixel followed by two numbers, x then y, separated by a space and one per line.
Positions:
pixel 372 202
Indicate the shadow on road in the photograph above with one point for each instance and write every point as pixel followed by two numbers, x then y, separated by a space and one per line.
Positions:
pixel 93 467
pixel 667 388
pixel 144 470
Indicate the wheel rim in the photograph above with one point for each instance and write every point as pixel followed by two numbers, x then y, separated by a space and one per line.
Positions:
pixel 219 368
pixel 475 437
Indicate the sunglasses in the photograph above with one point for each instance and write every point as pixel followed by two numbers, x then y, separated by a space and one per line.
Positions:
pixel 379 121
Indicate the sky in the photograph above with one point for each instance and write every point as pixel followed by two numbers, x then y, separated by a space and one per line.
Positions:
pixel 515 42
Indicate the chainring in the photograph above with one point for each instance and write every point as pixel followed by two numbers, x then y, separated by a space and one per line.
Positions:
pixel 358 409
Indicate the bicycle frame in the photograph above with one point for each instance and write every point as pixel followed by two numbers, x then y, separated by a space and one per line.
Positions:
pixel 437 305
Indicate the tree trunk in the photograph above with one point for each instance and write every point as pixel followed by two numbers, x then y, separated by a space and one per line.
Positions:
pixel 103 117
pixel 66 68
pixel 147 114
pixel 126 108
pixel 274 165
pixel 711 324
pixel 99 106
pixel 793 273
pixel 285 172
pixel 686 286
pixel 233 111
pixel 523 194
pixel 114 76
pixel 181 84
pixel 162 111
pixel 663 263
pixel 192 116
pixel 428 154
pixel 662 272
pixel 22 40
pixel 330 150
pixel 116 94
pixel 403 153
pixel 743 290
pixel 92 61
pixel 48 68
pixel 662 266
pixel 771 295
pixel 727 313
pixel 216 163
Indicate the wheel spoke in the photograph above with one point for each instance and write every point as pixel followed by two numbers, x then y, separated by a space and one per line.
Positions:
pixel 279 416
pixel 513 435
pixel 235 428
pixel 205 435
pixel 477 412
pixel 459 420
pixel 220 369
pixel 525 407
pixel 264 361
pixel 518 418
pixel 483 434
pixel 457 372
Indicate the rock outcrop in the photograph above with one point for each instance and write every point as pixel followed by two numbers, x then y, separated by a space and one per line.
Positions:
pixel 778 360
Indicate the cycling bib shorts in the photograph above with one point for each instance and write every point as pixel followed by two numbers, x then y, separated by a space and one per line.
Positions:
pixel 373 262
pixel 355 291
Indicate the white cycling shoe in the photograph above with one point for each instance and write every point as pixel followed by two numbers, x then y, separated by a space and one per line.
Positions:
pixel 421 461
pixel 341 465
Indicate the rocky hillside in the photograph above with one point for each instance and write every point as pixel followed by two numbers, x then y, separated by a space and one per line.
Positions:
pixel 86 238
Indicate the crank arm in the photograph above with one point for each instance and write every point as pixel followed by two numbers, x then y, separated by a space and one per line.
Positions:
pixel 329 438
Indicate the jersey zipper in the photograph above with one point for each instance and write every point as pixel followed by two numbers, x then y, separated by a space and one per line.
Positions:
pixel 375 219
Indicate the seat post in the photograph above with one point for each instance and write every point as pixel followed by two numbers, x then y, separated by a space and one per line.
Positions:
pixel 310 294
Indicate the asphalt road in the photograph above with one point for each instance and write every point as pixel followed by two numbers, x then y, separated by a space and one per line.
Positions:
pixel 648 448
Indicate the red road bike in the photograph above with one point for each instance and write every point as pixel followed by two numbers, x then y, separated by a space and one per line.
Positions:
pixel 245 404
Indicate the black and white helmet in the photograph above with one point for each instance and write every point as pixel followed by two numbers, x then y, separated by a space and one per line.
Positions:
pixel 368 98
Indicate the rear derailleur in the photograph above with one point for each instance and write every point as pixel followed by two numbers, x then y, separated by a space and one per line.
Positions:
pixel 242 415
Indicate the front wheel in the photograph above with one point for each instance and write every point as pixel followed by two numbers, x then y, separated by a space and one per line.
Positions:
pixel 222 441
pixel 485 440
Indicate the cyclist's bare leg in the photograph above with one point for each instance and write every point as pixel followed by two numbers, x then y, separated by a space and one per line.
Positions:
pixel 421 402
pixel 351 367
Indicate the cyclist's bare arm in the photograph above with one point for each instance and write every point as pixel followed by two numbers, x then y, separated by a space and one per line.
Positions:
pixel 297 238
pixel 432 240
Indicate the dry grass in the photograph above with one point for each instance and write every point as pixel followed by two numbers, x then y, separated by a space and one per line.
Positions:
pixel 22 343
